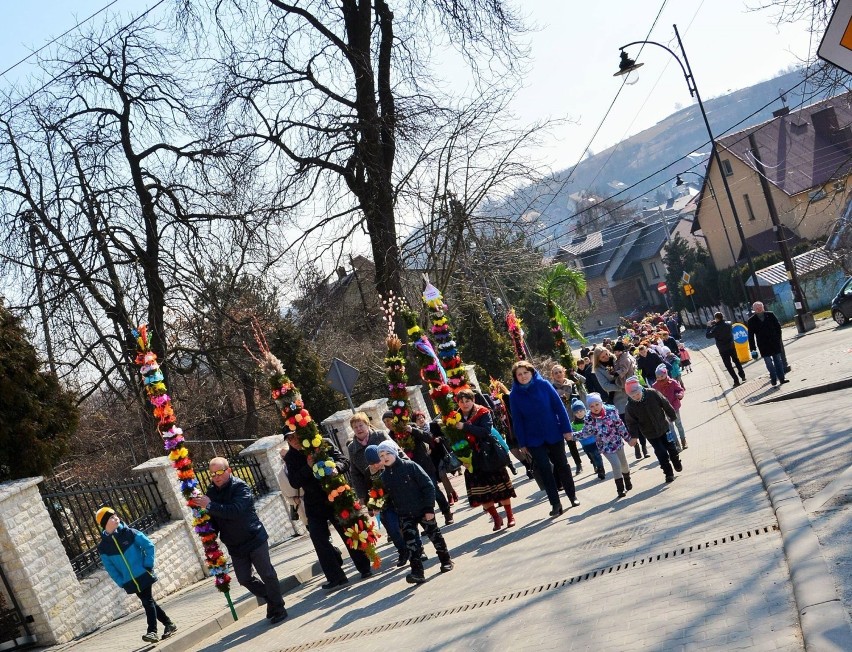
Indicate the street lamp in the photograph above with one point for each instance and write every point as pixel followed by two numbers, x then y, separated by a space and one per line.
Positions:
pixel 628 65
pixel 680 182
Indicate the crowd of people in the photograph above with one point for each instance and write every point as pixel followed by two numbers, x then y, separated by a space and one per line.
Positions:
pixel 625 393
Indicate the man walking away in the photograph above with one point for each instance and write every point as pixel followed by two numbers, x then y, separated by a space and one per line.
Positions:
pixel 722 332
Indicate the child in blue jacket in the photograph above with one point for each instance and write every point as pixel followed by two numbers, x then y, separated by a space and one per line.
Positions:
pixel 588 442
pixel 128 557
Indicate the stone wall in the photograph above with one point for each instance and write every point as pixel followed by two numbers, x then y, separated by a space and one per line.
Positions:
pixel 63 607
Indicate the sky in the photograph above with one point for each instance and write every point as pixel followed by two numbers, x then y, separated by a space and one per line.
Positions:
pixel 574 50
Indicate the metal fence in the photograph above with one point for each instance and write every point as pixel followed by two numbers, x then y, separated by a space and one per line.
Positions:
pixel 246 469
pixel 72 506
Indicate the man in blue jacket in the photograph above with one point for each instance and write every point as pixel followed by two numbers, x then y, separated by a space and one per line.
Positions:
pixel 232 515
pixel 128 557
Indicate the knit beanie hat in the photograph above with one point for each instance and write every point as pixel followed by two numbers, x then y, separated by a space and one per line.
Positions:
pixel 371 454
pixel 632 384
pixel 661 371
pixel 388 447
pixel 593 398
pixel 103 515
pixel 576 405
pixel 619 346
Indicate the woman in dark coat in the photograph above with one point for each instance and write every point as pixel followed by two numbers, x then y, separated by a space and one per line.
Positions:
pixel 484 487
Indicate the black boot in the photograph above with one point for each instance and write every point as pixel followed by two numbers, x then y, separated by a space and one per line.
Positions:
pixel 601 473
pixel 627 484
pixel 446 562
pixel 619 484
pixel 416 575
pixel 404 556
pixel 638 452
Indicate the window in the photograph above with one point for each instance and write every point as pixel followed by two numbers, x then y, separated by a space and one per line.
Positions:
pixel 749 210
pixel 727 170
pixel 603 292
pixel 589 297
pixel 655 271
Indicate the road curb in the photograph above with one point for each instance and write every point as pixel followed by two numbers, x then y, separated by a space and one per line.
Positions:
pixel 824 622
pixel 190 638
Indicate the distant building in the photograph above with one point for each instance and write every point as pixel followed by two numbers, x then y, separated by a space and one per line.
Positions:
pixel 807 155
pixel 623 264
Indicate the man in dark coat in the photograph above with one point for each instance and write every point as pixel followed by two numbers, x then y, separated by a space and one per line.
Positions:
pixel 232 515
pixel 722 332
pixel 648 413
pixel 765 329
pixel 320 513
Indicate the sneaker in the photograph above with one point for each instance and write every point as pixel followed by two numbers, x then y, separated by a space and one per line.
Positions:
pixel 446 568
pixel 678 465
pixel 415 579
pixel 575 502
pixel 279 616
pixel 151 637
pixel 334 586
pixel 170 629
pixel 669 478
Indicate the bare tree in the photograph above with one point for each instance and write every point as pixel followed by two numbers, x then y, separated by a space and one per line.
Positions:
pixel 111 193
pixel 335 94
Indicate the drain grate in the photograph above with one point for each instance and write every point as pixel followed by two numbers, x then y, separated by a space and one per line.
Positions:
pixel 522 593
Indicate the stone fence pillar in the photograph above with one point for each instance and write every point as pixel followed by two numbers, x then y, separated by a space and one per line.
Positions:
pixel 417 402
pixel 271 508
pixel 374 410
pixel 265 452
pixel 165 476
pixel 35 562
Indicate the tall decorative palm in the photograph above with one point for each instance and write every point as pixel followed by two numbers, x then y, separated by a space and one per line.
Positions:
pixel 559 282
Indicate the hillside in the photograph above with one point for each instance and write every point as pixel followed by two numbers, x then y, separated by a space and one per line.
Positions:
pixel 676 144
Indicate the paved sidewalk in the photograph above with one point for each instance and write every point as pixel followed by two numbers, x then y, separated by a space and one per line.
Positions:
pixel 695 565
pixel 800 436
pixel 195 608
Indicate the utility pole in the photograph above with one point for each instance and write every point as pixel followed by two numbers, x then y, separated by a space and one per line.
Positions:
pixel 804 318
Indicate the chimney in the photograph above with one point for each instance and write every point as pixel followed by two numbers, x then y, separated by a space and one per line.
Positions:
pixel 824 121
pixel 341 272
pixel 777 113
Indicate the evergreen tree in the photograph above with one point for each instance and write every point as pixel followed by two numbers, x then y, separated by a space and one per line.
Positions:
pixel 478 338
pixel 37 416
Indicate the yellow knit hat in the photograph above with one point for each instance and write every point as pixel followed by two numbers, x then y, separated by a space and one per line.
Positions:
pixel 103 515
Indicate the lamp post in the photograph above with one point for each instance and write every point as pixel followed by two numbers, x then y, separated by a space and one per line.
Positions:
pixel 679 182
pixel 628 65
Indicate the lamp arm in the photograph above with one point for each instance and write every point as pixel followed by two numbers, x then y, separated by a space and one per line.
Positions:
pixel 687 75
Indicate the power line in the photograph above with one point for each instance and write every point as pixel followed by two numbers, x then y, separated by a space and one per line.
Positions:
pixel 100 44
pixel 52 41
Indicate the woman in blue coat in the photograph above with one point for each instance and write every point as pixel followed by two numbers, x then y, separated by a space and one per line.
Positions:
pixel 541 426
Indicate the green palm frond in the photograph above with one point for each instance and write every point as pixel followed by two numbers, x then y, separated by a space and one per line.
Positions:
pixel 560 281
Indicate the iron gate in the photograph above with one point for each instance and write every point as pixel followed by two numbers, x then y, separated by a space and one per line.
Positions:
pixel 15 632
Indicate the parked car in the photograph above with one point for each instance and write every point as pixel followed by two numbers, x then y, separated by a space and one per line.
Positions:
pixel 841 305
